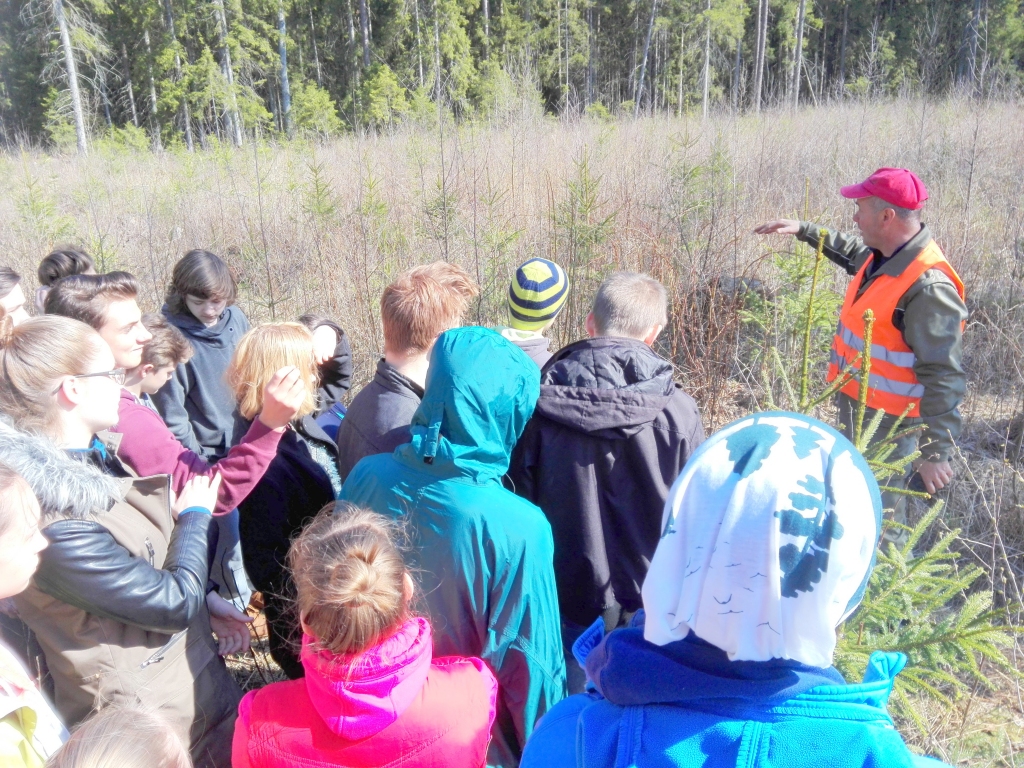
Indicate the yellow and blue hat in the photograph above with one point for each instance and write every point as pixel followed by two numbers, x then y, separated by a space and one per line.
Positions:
pixel 538 293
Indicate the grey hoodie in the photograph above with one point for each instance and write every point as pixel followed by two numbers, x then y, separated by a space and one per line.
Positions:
pixel 197 403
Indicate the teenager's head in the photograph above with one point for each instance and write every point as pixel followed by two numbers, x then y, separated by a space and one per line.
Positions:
pixel 108 303
pixel 20 538
pixel 123 737
pixel 631 305
pixel 64 262
pixel 163 353
pixel 261 353
pixel 421 304
pixel 351 582
pixel 202 286
pixel 537 294
pixel 12 297
pixel 60 378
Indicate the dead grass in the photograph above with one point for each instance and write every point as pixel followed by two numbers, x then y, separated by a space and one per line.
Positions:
pixel 325 227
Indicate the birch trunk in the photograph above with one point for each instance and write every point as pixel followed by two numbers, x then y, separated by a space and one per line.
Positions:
pixel 762 28
pixel 286 91
pixel 72 72
pixel 643 61
pixel 155 122
pixel 798 53
pixel 364 26
pixel 707 62
pixel 234 121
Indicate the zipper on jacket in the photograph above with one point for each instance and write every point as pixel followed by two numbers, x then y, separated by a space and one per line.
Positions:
pixel 158 656
pixel 152 552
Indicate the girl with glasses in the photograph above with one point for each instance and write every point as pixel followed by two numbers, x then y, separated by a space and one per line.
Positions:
pixel 119 603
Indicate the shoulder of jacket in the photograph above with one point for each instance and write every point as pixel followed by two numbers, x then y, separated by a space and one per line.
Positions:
pixel 61 529
pixel 932 280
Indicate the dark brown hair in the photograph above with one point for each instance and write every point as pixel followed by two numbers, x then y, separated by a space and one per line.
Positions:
pixel 63 262
pixel 349 578
pixel 201 274
pixel 168 345
pixel 86 297
pixel 8 279
pixel 424 302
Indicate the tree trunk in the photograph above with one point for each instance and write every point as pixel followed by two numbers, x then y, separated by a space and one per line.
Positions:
pixel 233 119
pixel 590 53
pixel 154 122
pixel 486 7
pixel 972 48
pixel 128 82
pixel 364 26
pixel 736 73
pixel 286 91
pixel 759 55
pixel 186 112
pixel 682 61
pixel 72 72
pixel 707 62
pixel 316 53
pixel 101 77
pixel 419 43
pixel 643 61
pixel 842 50
pixel 798 53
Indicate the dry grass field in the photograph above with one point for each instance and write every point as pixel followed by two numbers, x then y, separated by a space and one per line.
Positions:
pixel 324 227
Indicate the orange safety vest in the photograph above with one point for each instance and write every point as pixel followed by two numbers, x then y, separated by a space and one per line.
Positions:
pixel 892 383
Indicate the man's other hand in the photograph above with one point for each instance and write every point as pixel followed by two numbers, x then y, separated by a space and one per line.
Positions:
pixel 778 227
pixel 935 475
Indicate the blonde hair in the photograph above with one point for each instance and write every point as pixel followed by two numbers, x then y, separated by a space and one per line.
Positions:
pixel 628 304
pixel 34 356
pixel 424 302
pixel 261 353
pixel 349 577
pixel 123 737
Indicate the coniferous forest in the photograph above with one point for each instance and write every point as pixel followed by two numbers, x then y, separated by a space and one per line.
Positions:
pixel 186 72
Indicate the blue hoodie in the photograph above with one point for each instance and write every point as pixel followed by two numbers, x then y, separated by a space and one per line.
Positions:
pixel 686 704
pixel 483 556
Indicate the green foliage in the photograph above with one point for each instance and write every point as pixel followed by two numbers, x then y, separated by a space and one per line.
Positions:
pixel 313 110
pixel 928 607
pixel 383 98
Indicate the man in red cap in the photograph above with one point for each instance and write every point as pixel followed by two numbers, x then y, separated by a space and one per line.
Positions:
pixel 918 302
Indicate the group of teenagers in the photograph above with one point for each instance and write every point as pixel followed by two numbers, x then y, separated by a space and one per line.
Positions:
pixel 496 554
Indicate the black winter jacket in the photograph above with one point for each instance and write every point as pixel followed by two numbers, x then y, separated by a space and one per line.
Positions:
pixel 378 418
pixel 293 490
pixel 610 434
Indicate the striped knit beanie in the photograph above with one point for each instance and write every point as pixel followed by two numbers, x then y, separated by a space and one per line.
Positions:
pixel 537 294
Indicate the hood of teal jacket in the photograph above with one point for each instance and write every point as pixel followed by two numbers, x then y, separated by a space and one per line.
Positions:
pixel 481 390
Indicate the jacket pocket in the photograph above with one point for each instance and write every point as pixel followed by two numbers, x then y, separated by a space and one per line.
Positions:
pixel 161 652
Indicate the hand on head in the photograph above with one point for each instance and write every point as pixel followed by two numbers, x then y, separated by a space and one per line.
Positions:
pixel 283 397
pixel 325 340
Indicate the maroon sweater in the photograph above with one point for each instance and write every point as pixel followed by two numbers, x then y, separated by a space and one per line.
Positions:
pixel 150 448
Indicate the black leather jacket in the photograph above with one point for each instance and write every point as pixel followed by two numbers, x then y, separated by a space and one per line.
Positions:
pixel 84 566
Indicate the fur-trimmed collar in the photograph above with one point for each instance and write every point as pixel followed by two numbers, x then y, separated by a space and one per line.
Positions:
pixel 64 487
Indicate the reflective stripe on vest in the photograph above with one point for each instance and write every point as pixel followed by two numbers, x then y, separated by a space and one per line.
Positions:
pixel 892 385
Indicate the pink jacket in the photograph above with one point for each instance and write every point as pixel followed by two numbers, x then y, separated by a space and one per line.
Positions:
pixel 393 701
pixel 150 448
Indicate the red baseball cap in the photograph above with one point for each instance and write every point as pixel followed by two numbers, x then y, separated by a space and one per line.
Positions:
pixel 897 186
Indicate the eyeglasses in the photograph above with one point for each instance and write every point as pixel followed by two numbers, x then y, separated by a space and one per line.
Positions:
pixel 118 376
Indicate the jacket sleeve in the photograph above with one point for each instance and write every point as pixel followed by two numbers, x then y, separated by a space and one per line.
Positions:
pixel 848 251
pixel 520 478
pixel 932 317
pixel 84 566
pixel 336 373
pixel 170 401
pixel 240 741
pixel 150 448
pixel 524 641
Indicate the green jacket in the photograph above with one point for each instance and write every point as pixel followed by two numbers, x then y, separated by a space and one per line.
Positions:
pixel 482 555
pixel 929 316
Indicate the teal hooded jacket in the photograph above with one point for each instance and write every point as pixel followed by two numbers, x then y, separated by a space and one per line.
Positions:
pixel 482 555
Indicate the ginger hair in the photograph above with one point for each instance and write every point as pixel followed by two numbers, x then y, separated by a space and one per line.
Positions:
pixel 349 577
pixel 261 353
pixel 423 303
